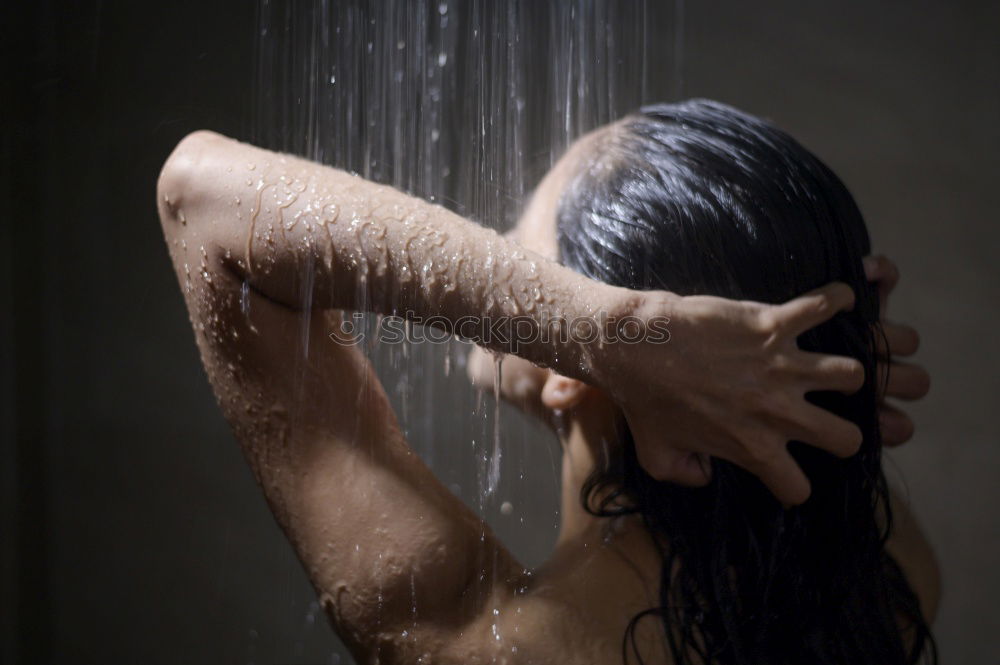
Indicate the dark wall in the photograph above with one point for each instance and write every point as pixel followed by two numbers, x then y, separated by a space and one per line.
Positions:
pixel 133 531
pixel 142 536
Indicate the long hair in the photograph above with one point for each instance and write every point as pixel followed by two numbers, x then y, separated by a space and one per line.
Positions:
pixel 700 198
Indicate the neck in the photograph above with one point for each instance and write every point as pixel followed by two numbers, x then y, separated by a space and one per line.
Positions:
pixel 589 440
pixel 617 548
pixel 578 461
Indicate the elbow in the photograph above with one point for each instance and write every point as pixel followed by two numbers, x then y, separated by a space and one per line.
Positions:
pixel 187 179
pixel 194 194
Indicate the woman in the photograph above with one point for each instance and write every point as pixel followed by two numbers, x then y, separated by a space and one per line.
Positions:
pixel 696 540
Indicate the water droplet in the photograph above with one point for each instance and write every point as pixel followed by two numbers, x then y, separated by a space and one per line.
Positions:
pixel 245 298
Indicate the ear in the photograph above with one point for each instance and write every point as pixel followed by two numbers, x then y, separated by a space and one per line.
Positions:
pixel 562 393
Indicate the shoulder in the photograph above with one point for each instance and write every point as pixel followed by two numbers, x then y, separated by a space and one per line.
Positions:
pixel 910 548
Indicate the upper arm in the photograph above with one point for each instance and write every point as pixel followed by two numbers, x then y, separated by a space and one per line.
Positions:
pixel 387 546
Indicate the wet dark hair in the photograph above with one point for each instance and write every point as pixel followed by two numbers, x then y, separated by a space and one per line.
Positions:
pixel 701 198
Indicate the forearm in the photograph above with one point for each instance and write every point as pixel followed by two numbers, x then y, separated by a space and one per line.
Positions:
pixel 308 235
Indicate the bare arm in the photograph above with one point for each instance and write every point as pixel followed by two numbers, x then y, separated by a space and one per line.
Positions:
pixel 398 561
pixel 311 236
pixel 305 235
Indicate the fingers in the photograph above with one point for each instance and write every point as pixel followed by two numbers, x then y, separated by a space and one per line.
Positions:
pixel 779 471
pixel 782 475
pixel 885 274
pixel 674 465
pixel 907 381
pixel 813 308
pixel 826 372
pixel 822 429
pixel 901 339
pixel 896 427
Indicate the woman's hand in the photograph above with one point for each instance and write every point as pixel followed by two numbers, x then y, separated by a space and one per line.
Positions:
pixel 905 381
pixel 730 382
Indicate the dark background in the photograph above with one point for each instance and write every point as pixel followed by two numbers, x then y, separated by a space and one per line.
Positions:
pixel 131 528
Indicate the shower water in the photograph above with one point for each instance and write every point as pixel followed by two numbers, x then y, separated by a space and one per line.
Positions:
pixel 465 103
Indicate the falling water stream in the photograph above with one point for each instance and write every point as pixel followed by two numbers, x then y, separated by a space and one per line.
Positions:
pixel 465 103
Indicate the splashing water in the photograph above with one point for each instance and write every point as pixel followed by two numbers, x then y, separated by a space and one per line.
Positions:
pixel 466 104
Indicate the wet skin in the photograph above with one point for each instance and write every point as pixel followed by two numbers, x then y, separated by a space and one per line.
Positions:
pixel 269 248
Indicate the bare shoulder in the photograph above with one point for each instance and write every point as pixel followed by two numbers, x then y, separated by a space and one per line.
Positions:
pixel 910 548
pixel 574 610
